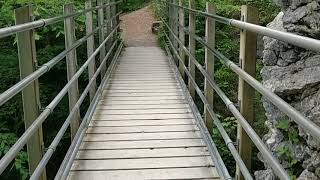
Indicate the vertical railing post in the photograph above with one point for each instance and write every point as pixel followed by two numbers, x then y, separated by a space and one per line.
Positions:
pixel 170 18
pixel 90 47
pixel 248 55
pixel 117 9
pixel 70 38
pixel 175 19
pixel 30 95
pixel 114 21
pixel 182 39
pixel 101 36
pixel 192 47
pixel 209 62
pixel 108 26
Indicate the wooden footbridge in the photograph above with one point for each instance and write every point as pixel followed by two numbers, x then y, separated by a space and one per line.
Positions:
pixel 142 122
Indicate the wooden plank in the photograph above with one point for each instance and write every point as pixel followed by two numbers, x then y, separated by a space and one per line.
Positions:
pixel 147 163
pixel 145 107
pixel 153 144
pixel 30 95
pixel 141 94
pixel 143 78
pixel 143 102
pixel 139 129
pixel 141 116
pixel 142 88
pixel 172 173
pixel 142 122
pixel 141 136
pixel 143 91
pixel 139 84
pixel 142 98
pixel 141 153
pixel 142 111
pixel 248 55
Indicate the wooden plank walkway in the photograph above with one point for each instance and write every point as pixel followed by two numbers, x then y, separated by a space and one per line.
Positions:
pixel 143 127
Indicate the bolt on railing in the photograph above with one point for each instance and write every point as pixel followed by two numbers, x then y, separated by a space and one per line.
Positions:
pixel 246 72
pixel 29 87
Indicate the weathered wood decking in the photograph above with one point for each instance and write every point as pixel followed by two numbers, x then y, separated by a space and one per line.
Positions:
pixel 143 127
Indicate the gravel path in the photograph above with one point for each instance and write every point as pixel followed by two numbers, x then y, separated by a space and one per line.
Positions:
pixel 137 28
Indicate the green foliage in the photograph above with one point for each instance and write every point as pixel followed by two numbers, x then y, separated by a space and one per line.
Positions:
pixel 284 125
pixel 132 5
pixel 230 126
pixel 285 153
pixel 290 131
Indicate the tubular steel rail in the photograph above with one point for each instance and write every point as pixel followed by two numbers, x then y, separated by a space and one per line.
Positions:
pixel 176 41
pixel 114 44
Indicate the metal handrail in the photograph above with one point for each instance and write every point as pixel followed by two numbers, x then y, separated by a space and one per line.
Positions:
pixel 65 167
pixel 275 164
pixel 212 148
pixel 18 87
pixel 14 150
pixel 301 41
pixel 46 157
pixel 295 115
pixel 7 31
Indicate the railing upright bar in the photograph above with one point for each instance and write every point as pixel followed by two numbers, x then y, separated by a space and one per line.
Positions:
pixel 90 47
pixel 175 18
pixel 209 64
pixel 30 94
pixel 70 39
pixel 192 47
pixel 170 20
pixel 101 18
pixel 114 21
pixel 182 38
pixel 108 28
pixel 246 94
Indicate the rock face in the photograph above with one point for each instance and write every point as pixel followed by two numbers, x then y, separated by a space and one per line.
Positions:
pixel 294 74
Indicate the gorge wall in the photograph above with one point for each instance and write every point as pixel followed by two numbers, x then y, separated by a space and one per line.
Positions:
pixel 294 74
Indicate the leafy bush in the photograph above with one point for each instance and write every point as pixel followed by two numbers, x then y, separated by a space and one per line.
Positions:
pixel 132 5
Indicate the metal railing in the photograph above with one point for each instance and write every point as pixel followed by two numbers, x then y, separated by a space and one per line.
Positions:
pixel 176 40
pixel 114 45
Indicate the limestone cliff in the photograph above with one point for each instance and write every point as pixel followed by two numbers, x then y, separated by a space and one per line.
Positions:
pixel 294 74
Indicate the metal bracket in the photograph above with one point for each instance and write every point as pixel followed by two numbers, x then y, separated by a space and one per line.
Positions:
pixel 240 62
pixel 236 144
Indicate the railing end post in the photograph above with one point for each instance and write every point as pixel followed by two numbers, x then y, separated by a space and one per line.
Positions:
pixel 246 94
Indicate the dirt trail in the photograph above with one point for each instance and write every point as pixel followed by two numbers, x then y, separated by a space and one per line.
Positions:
pixel 136 28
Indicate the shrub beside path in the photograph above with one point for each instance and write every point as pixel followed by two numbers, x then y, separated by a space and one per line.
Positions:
pixel 137 28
